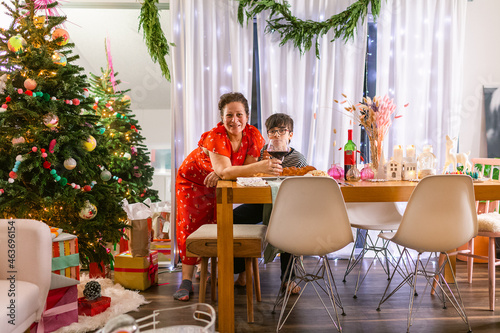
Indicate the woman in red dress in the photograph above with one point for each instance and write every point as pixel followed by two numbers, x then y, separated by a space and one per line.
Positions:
pixel 229 150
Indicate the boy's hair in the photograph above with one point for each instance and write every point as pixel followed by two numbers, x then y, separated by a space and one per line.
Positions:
pixel 279 120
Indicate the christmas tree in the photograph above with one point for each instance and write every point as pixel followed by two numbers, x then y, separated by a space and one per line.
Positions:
pixel 129 170
pixel 50 147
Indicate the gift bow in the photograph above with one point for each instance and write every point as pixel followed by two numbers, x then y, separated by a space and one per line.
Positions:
pixel 152 270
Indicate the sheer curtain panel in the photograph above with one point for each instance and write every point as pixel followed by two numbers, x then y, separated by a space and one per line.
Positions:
pixel 212 56
pixel 419 61
pixel 304 87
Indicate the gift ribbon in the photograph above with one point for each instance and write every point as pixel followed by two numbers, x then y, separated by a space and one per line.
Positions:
pixel 152 271
pixel 55 311
pixel 65 262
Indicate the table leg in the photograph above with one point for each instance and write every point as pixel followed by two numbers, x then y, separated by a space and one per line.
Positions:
pixel 225 254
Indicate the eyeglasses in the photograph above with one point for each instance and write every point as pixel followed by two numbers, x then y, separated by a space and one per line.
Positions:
pixel 281 131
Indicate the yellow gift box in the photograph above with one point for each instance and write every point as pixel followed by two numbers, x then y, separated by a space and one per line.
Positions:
pixel 137 273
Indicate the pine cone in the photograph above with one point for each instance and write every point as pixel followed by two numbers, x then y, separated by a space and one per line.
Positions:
pixel 92 290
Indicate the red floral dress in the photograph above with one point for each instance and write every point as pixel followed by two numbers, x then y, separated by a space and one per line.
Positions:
pixel 195 202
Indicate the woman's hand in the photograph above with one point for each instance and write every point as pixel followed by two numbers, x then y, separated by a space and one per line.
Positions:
pixel 211 180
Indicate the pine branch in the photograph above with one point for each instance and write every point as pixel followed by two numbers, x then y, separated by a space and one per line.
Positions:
pixel 157 44
pixel 303 32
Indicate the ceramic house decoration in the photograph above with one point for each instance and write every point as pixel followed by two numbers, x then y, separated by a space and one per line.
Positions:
pixel 393 170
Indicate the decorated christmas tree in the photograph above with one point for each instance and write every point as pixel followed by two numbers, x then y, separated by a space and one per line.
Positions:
pixel 129 170
pixel 50 145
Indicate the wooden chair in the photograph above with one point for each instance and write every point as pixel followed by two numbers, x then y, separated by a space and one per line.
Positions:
pixel 249 241
pixel 488 226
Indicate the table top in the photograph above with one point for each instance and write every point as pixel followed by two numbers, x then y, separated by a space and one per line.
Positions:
pixel 362 191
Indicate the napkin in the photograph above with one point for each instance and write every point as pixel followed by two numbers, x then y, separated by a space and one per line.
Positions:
pixel 251 181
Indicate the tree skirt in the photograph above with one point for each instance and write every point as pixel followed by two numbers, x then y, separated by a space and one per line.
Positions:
pixel 122 301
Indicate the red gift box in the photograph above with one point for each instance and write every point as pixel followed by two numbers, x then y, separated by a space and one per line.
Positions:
pixel 93 307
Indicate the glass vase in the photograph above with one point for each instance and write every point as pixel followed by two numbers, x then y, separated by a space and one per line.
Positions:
pixel 367 172
pixel 336 172
pixel 377 158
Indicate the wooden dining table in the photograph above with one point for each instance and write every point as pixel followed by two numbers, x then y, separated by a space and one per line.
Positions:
pixel 229 193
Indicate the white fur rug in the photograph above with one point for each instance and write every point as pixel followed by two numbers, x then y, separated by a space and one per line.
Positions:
pixel 122 301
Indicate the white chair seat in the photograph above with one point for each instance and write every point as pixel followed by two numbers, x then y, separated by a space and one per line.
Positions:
pixel 26 296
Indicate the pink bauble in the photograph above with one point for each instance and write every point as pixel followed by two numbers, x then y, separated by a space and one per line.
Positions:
pixel 30 84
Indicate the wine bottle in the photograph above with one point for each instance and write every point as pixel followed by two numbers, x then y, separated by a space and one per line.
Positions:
pixel 350 153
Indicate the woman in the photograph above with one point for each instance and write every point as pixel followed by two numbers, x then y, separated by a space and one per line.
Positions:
pixel 229 150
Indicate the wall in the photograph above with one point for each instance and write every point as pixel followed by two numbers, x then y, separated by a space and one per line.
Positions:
pixel 481 68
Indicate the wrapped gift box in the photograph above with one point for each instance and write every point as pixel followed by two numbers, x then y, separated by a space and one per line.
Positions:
pixel 65 257
pixel 61 308
pixel 163 246
pixel 138 273
pixel 93 307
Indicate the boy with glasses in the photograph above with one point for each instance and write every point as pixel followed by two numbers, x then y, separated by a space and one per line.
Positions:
pixel 278 125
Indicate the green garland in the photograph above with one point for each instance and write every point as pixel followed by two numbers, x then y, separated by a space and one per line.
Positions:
pixel 158 46
pixel 303 32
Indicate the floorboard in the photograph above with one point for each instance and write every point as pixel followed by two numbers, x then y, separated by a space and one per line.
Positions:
pixel 361 315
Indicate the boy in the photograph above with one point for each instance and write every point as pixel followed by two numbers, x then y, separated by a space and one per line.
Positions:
pixel 278 125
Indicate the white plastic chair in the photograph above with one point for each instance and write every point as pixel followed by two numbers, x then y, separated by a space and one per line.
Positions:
pixel 309 218
pixel 31 265
pixel 440 217
pixel 368 218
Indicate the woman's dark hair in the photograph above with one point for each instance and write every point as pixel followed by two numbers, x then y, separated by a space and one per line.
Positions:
pixel 279 120
pixel 233 97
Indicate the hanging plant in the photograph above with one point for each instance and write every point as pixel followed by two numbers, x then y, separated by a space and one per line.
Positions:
pixel 303 32
pixel 158 46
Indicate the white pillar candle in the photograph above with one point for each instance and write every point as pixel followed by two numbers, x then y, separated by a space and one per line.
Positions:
pixel 410 152
pixel 398 153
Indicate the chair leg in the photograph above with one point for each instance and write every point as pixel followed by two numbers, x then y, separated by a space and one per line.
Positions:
pixel 213 279
pixel 248 270
pixel 470 260
pixel 491 271
pixel 256 278
pixel 435 281
pixel 203 279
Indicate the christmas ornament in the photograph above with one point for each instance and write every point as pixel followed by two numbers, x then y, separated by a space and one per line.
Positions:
pixel 127 156
pixel 105 175
pixel 126 98
pixel 30 84
pixel 39 21
pixel 89 210
pixel 138 174
pixel 52 145
pixel 61 33
pixel 59 59
pixel 70 163
pixel 90 144
pixel 17 44
pixel 16 141
pixel 50 120
pixel 86 92
pixel 92 290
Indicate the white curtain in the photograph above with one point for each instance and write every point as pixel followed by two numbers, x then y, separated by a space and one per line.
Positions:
pixel 212 56
pixel 419 61
pixel 304 87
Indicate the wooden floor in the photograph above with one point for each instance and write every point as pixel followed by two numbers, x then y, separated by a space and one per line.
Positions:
pixel 361 314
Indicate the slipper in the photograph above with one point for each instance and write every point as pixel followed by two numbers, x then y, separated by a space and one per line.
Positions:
pixel 293 288
pixel 185 290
